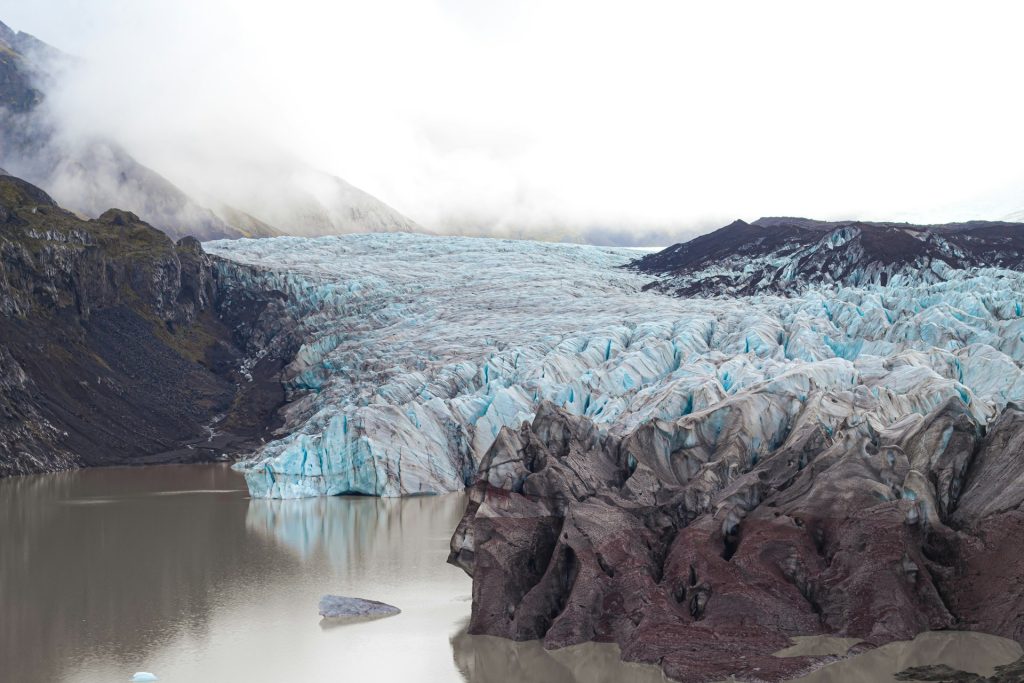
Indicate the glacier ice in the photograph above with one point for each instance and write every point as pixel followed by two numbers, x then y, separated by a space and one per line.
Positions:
pixel 417 350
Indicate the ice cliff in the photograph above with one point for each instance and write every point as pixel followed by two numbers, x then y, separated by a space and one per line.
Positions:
pixel 416 352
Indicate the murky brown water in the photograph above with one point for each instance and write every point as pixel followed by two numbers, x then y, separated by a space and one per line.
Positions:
pixel 175 570
pixel 974 652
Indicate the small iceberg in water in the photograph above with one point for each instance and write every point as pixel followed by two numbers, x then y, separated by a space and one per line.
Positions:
pixel 341 607
pixel 144 676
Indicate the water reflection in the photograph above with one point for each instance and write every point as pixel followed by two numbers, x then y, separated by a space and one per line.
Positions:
pixel 174 570
pixel 974 652
pixel 486 659
pixel 355 532
pixel 810 646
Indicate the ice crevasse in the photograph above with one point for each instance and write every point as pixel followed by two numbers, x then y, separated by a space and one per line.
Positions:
pixel 417 350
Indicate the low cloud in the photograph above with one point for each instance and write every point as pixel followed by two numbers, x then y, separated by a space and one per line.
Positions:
pixel 566 120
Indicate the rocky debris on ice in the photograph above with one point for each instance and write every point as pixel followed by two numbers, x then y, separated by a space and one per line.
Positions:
pixel 416 351
pixel 704 544
pixel 341 607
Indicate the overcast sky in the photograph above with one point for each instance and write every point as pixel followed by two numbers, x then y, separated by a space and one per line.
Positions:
pixel 585 114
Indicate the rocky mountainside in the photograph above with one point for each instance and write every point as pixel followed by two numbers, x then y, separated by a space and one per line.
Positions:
pixel 17 93
pixel 89 175
pixel 116 345
pixel 786 255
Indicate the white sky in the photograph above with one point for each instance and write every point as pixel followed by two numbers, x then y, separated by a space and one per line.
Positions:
pixel 582 114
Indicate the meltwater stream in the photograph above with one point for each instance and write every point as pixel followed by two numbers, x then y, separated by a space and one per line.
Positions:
pixel 175 570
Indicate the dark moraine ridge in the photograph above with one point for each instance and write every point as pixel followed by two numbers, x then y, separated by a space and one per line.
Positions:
pixel 117 345
pixel 573 536
pixel 784 255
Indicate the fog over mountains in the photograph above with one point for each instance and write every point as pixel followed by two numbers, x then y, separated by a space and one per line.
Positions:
pixel 249 131
pixel 90 174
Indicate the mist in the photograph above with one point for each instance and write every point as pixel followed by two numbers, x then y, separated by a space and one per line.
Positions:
pixel 572 120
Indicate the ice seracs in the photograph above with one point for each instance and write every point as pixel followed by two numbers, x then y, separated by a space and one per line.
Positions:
pixel 418 350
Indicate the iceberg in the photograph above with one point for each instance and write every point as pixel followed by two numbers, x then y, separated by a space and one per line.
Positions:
pixel 341 607
pixel 417 351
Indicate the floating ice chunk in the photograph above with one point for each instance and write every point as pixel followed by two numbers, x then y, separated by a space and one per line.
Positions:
pixel 341 607
pixel 144 676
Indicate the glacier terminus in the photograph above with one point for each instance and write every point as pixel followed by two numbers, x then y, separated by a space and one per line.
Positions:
pixel 417 350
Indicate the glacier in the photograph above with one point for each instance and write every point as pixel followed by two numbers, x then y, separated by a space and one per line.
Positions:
pixel 417 350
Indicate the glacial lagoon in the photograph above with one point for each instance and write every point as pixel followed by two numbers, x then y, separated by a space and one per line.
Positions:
pixel 175 570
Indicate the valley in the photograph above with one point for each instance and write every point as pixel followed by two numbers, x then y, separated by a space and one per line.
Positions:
pixel 688 478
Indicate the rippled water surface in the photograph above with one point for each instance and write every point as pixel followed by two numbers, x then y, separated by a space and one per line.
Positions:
pixel 175 570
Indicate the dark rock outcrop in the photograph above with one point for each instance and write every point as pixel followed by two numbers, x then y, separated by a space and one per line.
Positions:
pixel 786 255
pixel 705 562
pixel 116 346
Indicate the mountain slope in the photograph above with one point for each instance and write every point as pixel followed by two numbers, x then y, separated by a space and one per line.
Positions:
pixel 115 346
pixel 303 201
pixel 90 175
pixel 17 93
pixel 786 255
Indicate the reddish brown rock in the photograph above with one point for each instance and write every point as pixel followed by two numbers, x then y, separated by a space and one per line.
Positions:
pixel 706 565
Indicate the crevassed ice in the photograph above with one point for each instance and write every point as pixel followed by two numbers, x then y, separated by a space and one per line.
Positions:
pixel 419 349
